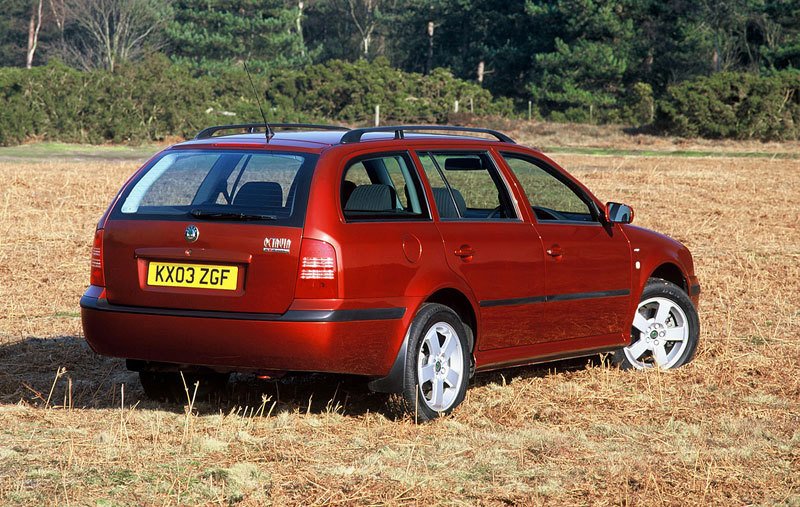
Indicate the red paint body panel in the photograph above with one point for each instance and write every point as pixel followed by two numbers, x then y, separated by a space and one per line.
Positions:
pixel 508 264
pixel 363 347
pixel 594 259
pixel 266 281
pixel 389 265
pixel 541 352
pixel 375 263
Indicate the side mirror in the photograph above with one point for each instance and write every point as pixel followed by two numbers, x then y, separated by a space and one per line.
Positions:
pixel 618 213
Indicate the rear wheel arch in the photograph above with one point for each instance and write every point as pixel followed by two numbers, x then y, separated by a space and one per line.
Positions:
pixel 453 299
pixel 459 303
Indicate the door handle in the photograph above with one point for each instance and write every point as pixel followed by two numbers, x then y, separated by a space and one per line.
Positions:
pixel 465 252
pixel 555 251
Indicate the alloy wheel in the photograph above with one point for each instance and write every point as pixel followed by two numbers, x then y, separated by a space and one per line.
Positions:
pixel 660 334
pixel 440 366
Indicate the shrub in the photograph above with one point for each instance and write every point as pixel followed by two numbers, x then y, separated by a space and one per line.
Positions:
pixel 349 91
pixel 156 98
pixel 734 105
pixel 641 106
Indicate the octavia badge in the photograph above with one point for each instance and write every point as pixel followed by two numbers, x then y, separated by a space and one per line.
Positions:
pixel 191 234
pixel 277 245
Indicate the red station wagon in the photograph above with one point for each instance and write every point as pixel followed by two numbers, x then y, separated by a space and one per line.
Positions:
pixel 412 255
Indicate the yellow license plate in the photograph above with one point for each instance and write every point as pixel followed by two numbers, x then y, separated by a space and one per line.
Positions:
pixel 199 276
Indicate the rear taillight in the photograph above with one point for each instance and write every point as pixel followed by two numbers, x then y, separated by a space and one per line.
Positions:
pixel 317 275
pixel 97 277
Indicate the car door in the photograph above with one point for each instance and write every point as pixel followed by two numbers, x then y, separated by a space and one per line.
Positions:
pixel 488 244
pixel 388 234
pixel 587 261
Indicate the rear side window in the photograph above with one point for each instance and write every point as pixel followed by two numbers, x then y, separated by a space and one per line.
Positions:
pixel 467 186
pixel 382 187
pixel 219 184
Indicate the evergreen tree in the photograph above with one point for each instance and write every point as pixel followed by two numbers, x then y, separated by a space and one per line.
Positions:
pixel 583 75
pixel 778 32
pixel 13 32
pixel 262 32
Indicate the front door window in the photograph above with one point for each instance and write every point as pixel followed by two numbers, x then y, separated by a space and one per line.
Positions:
pixel 551 196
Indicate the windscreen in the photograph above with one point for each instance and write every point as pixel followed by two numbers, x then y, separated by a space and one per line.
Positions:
pixel 216 184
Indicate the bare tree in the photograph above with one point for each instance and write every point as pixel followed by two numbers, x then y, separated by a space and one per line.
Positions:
pixel 59 10
pixel 429 60
pixel 365 15
pixel 299 26
pixel 113 31
pixel 34 26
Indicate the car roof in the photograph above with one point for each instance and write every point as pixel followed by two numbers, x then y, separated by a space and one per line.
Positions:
pixel 308 139
pixel 320 139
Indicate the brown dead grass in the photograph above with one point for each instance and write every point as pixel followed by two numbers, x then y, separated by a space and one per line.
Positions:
pixel 723 430
pixel 619 137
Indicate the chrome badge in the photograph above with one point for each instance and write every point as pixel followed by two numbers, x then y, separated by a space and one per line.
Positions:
pixel 277 245
pixel 191 233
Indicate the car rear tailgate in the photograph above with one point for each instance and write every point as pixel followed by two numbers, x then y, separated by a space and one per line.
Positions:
pixel 262 258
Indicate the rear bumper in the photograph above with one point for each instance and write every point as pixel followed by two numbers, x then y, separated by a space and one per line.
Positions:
pixel 362 341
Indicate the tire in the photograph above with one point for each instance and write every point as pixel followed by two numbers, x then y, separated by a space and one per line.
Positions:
pixel 665 330
pixel 168 385
pixel 437 368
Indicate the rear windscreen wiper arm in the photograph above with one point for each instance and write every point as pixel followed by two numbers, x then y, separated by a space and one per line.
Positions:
pixel 231 215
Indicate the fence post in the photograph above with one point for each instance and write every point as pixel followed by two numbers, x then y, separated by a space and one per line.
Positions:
pixel 529 110
pixel 455 106
pixel 471 106
pixel 377 115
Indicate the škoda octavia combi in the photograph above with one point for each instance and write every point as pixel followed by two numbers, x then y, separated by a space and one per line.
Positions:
pixel 414 256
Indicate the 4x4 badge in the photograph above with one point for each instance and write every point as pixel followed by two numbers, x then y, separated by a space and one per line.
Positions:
pixel 191 234
pixel 277 245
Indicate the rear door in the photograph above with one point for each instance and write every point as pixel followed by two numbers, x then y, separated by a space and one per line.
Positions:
pixel 215 230
pixel 587 262
pixel 388 238
pixel 488 244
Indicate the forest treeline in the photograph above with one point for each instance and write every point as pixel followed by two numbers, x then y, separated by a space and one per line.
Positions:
pixel 707 68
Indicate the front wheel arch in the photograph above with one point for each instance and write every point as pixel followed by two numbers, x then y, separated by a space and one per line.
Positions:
pixel 672 273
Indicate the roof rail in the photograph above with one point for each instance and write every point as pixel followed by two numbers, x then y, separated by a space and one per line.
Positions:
pixel 251 128
pixel 354 136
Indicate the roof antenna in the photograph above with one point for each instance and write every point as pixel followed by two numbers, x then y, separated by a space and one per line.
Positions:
pixel 268 133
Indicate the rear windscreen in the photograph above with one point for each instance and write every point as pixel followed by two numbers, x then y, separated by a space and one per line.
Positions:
pixel 216 184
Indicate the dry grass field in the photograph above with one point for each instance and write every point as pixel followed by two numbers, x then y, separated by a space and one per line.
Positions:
pixel 75 428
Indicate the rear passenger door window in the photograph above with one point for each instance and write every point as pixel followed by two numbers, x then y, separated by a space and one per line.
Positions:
pixel 382 187
pixel 467 186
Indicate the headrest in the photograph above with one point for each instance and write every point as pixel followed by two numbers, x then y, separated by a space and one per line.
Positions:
pixel 463 164
pixel 444 203
pixel 372 198
pixel 260 194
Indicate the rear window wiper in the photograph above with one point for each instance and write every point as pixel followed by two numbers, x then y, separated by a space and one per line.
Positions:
pixel 234 215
